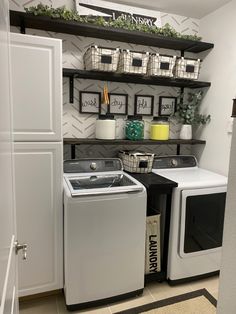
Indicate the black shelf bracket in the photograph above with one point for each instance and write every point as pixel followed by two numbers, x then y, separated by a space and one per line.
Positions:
pixel 22 26
pixel 73 151
pixel 178 149
pixel 71 89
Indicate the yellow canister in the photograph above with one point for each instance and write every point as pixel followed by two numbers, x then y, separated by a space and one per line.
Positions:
pixel 160 129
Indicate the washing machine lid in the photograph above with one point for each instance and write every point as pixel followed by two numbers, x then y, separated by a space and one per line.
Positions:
pixel 102 183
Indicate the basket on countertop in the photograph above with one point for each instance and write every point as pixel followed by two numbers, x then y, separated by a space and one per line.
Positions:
pixel 101 59
pixel 187 68
pixel 133 62
pixel 137 162
pixel 160 65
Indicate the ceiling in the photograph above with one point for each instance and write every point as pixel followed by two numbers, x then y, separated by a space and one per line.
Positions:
pixel 190 8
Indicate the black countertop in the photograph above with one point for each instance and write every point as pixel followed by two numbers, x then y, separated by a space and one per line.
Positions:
pixel 155 182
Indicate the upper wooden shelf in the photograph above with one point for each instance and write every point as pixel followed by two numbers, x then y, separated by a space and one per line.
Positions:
pixel 133 78
pixel 93 141
pixel 26 20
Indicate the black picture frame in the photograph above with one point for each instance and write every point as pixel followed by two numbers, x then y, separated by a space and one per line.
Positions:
pixel 118 104
pixel 143 105
pixel 90 105
pixel 167 106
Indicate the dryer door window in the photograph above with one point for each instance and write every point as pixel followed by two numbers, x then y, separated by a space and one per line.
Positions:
pixel 202 220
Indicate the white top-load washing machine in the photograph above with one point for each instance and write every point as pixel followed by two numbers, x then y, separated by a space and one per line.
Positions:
pixel 104 232
pixel 197 218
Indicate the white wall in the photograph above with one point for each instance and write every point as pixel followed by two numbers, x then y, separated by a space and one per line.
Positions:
pixel 227 291
pixel 219 67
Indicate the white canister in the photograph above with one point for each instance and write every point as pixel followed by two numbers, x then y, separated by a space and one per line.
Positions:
pixel 105 127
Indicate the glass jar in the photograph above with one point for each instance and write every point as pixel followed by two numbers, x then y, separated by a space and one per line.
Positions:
pixel 134 128
pixel 160 129
pixel 105 127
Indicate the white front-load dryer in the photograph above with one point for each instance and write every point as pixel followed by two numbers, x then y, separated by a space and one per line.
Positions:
pixel 197 218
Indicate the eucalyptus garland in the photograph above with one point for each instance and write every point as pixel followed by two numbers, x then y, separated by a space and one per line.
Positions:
pixel 72 15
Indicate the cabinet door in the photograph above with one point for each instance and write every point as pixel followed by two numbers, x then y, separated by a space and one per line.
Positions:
pixel 36 87
pixel 38 180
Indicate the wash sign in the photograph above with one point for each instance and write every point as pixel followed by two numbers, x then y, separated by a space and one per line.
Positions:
pixel 109 10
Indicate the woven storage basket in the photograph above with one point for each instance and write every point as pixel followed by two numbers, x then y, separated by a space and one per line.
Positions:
pixel 133 62
pixel 136 162
pixel 159 65
pixel 187 68
pixel 101 59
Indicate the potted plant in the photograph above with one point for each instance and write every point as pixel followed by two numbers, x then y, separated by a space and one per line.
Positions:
pixel 188 113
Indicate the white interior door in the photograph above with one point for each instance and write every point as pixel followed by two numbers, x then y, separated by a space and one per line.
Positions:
pixel 8 291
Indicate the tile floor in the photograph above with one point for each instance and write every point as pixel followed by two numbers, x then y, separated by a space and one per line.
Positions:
pixel 153 291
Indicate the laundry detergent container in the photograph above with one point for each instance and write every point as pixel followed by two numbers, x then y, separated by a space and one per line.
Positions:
pixel 160 129
pixel 105 127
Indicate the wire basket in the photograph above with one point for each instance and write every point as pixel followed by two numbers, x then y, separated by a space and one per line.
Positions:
pixel 187 68
pixel 133 62
pixel 137 162
pixel 101 59
pixel 160 65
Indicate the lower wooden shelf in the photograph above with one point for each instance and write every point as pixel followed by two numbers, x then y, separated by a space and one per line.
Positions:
pixel 92 141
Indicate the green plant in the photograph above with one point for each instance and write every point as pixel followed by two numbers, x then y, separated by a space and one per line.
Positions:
pixel 188 109
pixel 72 15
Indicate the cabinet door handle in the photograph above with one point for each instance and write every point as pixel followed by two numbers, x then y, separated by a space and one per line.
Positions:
pixel 22 247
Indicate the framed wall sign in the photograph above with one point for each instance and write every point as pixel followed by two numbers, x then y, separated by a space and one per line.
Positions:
pixel 89 102
pixel 118 104
pixel 167 105
pixel 143 105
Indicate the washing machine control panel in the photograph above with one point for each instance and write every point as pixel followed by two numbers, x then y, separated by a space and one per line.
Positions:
pixel 174 162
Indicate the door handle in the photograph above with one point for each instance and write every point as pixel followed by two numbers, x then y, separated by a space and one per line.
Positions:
pixel 22 247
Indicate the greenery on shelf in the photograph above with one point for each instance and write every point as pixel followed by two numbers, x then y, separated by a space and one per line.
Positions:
pixel 72 15
pixel 188 109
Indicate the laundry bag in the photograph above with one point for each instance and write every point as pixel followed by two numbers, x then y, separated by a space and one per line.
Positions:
pixel 101 59
pixel 153 245
pixel 187 68
pixel 161 65
pixel 133 62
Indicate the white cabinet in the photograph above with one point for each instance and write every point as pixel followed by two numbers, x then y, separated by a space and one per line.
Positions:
pixel 38 185
pixel 36 88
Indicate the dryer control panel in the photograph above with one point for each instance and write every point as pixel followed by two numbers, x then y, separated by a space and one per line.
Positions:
pixel 175 161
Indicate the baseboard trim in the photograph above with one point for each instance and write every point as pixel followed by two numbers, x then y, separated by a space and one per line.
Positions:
pixel 80 306
pixel 189 279
pixel 40 295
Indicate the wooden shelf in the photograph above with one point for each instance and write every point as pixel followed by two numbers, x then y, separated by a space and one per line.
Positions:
pixel 26 20
pixel 92 141
pixel 133 78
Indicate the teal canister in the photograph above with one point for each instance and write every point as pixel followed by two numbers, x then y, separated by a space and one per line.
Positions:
pixel 134 128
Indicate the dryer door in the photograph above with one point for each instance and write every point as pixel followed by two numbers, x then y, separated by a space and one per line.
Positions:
pixel 202 221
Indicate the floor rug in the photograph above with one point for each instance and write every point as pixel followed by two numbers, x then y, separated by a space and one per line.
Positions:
pixel 196 302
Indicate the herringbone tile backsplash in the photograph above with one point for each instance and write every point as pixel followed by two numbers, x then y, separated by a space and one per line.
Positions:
pixel 83 125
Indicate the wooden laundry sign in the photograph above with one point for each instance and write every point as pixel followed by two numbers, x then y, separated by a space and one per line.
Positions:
pixel 115 11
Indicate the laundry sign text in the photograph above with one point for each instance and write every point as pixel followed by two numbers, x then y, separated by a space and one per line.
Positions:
pixel 115 11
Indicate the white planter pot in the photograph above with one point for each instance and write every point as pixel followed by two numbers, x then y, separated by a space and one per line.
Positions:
pixel 186 132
